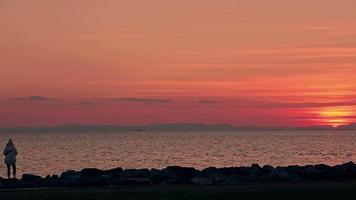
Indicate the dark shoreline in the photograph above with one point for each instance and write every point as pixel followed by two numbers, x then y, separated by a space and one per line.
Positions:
pixel 176 175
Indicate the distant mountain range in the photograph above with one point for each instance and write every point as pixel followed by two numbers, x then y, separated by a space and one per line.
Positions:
pixel 167 127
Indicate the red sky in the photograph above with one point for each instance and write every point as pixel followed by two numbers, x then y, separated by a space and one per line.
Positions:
pixel 262 63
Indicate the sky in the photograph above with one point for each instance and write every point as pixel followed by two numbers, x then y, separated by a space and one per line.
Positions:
pixel 245 63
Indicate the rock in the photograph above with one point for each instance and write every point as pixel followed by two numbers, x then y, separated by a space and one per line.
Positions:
pixel 217 178
pixel 51 181
pixel 283 175
pixel 12 183
pixel 161 176
pixel 116 172
pixel 201 181
pixel 310 172
pixel 30 180
pixel 295 169
pixel 322 167
pixel 227 171
pixel 236 179
pixel 350 170
pixel 91 172
pixel 70 178
pixel 135 173
pixel 267 169
pixel 208 171
pixel 95 181
pixel 349 165
pixel 69 173
pixel 184 173
pixel 132 181
pixel 254 171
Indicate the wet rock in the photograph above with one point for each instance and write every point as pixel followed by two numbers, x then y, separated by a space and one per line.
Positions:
pixel 201 181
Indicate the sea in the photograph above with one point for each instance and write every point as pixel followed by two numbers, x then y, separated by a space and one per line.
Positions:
pixel 45 153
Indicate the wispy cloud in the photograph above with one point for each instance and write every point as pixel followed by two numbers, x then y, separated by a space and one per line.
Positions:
pixel 207 101
pixel 33 98
pixel 89 103
pixel 145 100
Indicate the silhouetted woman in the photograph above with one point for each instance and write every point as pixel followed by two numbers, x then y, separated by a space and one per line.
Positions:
pixel 10 153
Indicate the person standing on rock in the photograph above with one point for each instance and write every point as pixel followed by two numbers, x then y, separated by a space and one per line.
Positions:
pixel 10 153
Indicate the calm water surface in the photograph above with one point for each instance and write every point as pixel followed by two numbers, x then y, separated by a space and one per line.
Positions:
pixel 48 153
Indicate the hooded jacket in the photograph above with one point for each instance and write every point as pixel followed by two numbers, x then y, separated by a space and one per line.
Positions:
pixel 10 153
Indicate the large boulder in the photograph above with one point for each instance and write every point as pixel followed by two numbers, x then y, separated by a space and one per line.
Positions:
pixel 70 178
pixel 208 171
pixel 116 172
pixel 350 171
pixel 91 172
pixel 163 177
pixel 267 169
pixel 94 177
pixel 254 171
pixel 30 180
pixel 183 173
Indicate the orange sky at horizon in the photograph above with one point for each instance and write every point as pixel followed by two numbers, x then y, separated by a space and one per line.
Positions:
pixel 270 63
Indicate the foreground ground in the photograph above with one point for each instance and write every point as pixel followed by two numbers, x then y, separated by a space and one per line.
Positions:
pixel 271 191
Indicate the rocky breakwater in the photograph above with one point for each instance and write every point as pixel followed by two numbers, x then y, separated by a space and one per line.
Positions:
pixel 172 175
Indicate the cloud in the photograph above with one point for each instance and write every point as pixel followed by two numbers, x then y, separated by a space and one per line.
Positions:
pixel 305 104
pixel 33 98
pixel 89 103
pixel 145 100
pixel 206 101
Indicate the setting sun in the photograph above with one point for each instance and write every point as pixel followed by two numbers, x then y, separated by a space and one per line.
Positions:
pixel 336 117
